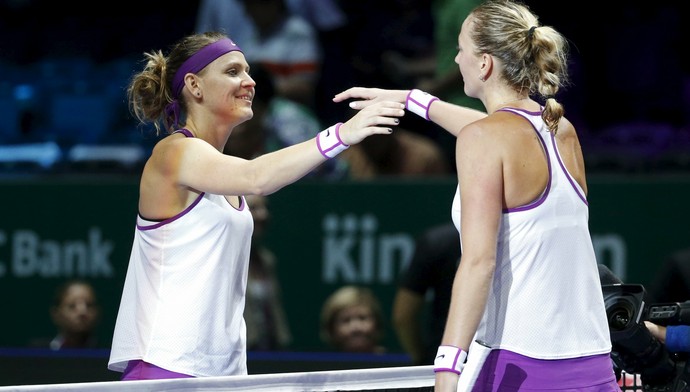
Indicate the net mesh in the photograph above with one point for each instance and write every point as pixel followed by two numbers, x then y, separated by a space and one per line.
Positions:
pixel 630 382
pixel 388 379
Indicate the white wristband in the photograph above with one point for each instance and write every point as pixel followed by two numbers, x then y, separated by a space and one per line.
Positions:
pixel 329 143
pixel 450 359
pixel 418 102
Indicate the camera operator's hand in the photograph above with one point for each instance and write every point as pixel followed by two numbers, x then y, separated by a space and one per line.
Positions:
pixel 658 331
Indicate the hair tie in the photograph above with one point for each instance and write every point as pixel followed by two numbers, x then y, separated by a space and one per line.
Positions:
pixel 530 33
pixel 172 111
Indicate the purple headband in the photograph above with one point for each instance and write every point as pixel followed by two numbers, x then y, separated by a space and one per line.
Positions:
pixel 200 60
pixel 194 64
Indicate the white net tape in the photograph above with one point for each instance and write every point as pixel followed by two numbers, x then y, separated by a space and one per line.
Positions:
pixel 390 378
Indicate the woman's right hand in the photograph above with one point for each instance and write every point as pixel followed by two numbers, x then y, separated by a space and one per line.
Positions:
pixel 658 331
pixel 368 96
pixel 374 118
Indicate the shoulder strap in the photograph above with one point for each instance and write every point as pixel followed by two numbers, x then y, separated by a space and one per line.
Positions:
pixel 185 132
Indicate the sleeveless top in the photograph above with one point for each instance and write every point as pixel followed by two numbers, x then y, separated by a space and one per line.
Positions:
pixel 546 300
pixel 184 292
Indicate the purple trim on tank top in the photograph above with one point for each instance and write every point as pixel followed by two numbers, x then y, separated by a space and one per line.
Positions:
pixel 241 206
pixel 185 132
pixel 140 370
pixel 174 218
pixel 509 371
pixel 565 171
pixel 243 202
pixel 540 200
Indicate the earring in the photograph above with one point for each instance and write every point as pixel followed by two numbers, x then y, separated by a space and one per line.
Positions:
pixel 198 93
pixel 482 78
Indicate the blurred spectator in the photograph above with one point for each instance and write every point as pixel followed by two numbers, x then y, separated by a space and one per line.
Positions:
pixel 403 31
pixel 351 321
pixel 376 27
pixel 267 326
pixel 402 153
pixel 282 42
pixel 410 36
pixel 429 277
pixel 74 31
pixel 329 24
pixel 277 123
pixel 434 70
pixel 323 15
pixel 75 312
pixel 284 54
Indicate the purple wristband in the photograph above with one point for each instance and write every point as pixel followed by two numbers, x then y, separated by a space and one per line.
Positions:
pixel 418 102
pixel 449 359
pixel 329 142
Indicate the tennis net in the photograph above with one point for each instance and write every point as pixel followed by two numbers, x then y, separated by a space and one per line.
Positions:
pixel 391 379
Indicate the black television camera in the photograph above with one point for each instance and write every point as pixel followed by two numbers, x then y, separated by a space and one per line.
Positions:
pixel 634 349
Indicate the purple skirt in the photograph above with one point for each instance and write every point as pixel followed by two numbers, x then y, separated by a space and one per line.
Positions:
pixel 140 370
pixel 507 371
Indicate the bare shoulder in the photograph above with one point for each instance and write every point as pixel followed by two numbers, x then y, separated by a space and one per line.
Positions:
pixel 162 194
pixel 571 151
pixel 165 150
pixel 566 129
pixel 489 131
pixel 167 156
pixel 479 141
pixel 484 127
pixel 567 138
pixel 172 149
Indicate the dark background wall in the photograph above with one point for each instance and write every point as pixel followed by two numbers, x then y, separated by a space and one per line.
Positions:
pixel 353 233
pixel 36 29
pixel 626 68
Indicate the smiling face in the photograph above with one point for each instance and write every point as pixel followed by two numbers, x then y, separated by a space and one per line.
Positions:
pixel 227 87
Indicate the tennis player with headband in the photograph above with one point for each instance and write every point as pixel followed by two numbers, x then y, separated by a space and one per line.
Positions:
pixel 181 309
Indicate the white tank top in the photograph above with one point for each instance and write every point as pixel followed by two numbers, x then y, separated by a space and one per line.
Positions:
pixel 546 300
pixel 184 292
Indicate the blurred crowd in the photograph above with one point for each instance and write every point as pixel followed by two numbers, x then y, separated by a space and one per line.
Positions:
pixel 63 74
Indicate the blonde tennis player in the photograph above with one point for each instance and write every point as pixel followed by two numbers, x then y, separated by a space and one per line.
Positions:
pixel 528 286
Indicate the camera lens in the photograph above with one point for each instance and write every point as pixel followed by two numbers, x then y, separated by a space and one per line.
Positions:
pixel 619 315
pixel 619 320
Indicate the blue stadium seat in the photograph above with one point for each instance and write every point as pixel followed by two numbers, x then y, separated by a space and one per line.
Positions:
pixel 81 118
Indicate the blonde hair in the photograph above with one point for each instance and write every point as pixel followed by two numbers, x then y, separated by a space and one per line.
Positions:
pixel 345 297
pixel 150 91
pixel 535 57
